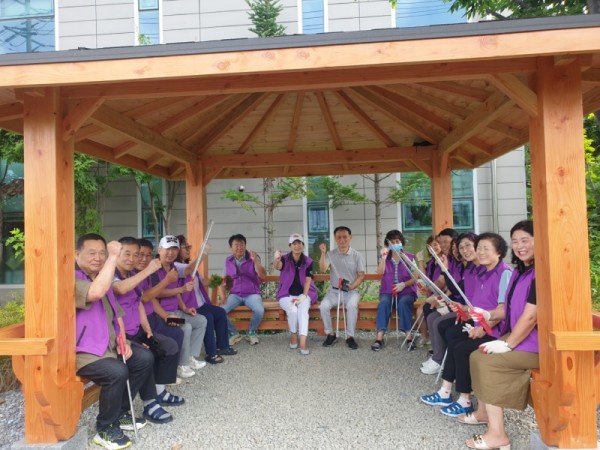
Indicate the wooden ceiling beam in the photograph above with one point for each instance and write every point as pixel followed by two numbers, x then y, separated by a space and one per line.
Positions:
pixel 432 101
pixel 335 137
pixel 105 153
pixel 113 120
pixel 591 76
pixel 385 154
pixel 423 166
pixel 87 131
pixel 399 115
pixel 149 108
pixel 230 120
pixel 495 106
pixel 243 148
pixel 303 80
pixel 11 111
pixel 78 115
pixel 154 160
pixel 447 87
pixel 591 102
pixel 508 131
pixel 518 91
pixel 364 119
pixel 189 137
pixel 295 121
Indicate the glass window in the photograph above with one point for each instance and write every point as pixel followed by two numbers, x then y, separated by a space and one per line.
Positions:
pixel 149 31
pixel 313 16
pixel 317 218
pixel 26 26
pixel 11 268
pixel 156 186
pixel 411 13
pixel 416 213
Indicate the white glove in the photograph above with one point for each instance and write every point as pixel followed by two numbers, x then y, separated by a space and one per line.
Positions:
pixel 301 298
pixel 467 327
pixel 420 256
pixel 478 313
pixel 277 255
pixel 496 346
pixel 384 252
pixel 421 284
pixel 399 287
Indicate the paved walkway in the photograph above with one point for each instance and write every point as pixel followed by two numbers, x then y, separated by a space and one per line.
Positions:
pixel 271 397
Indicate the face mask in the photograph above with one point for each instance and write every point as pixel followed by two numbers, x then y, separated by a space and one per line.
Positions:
pixel 396 247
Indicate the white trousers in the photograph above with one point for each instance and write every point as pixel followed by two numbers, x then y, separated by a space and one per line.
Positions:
pixel 350 299
pixel 297 315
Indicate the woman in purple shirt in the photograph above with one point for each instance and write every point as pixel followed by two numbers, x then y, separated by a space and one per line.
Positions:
pixel 463 339
pixel 502 369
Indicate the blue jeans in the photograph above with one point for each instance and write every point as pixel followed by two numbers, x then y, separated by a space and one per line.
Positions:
pixel 216 324
pixel 252 301
pixel 404 308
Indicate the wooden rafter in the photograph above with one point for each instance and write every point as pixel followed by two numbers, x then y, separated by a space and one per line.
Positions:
pixel 325 111
pixel 518 91
pixel 87 131
pixel 243 148
pixel 111 119
pixel 591 76
pixel 399 115
pixel 11 111
pixel 230 119
pixel 295 121
pixel 448 87
pixel 363 117
pixel 493 107
pixel 78 115
pixel 149 108
pixel 432 101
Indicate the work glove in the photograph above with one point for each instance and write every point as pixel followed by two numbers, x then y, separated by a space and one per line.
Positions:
pixel 479 313
pixel 399 287
pixel 277 255
pixel 467 327
pixel 496 346
pixel 384 252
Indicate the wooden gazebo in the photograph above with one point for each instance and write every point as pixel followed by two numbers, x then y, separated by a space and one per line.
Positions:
pixel 431 99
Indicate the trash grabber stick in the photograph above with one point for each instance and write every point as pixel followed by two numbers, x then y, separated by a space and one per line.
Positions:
pixel 483 322
pixel 206 235
pixel 121 344
pixel 337 316
pixel 439 374
pixel 395 301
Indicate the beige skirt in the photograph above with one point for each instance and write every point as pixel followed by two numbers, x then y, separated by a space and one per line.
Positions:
pixel 502 379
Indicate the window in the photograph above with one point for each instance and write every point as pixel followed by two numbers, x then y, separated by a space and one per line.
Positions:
pixel 26 26
pixel 152 193
pixel 416 213
pixel 11 268
pixel 313 16
pixel 149 31
pixel 416 13
pixel 317 218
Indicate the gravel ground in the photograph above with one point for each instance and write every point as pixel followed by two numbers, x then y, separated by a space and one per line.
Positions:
pixel 271 397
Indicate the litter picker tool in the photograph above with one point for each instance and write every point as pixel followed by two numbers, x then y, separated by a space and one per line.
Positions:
pixel 121 344
pixel 481 320
pixel 210 225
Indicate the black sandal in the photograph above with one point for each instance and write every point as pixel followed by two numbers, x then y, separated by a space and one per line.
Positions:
pixel 377 345
pixel 215 359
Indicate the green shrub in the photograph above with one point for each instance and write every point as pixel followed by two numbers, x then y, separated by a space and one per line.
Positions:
pixel 11 313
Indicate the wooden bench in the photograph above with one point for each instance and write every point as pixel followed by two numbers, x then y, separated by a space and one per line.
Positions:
pixel 91 391
pixel 275 319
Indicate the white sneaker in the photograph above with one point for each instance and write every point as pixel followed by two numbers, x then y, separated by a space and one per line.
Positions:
pixel 252 338
pixel 234 339
pixel 431 368
pixel 427 361
pixel 185 372
pixel 195 364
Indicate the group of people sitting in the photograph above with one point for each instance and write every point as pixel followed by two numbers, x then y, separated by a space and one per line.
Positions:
pixel 145 319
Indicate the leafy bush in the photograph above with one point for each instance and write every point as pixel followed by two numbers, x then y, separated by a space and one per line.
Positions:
pixel 11 313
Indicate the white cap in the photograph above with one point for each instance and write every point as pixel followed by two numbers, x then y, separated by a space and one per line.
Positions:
pixel 296 237
pixel 168 241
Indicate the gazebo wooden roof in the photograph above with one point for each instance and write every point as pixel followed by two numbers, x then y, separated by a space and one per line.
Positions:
pixel 430 99
pixel 306 105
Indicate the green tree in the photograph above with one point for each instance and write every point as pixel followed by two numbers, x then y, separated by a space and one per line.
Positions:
pixel 11 151
pixel 92 178
pixel 275 192
pixel 263 15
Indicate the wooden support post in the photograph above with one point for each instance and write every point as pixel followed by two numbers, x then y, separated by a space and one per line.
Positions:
pixel 195 202
pixel 441 194
pixel 52 394
pixel 563 393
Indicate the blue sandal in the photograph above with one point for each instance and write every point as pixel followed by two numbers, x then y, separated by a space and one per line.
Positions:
pixel 172 400
pixel 436 400
pixel 154 413
pixel 456 409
